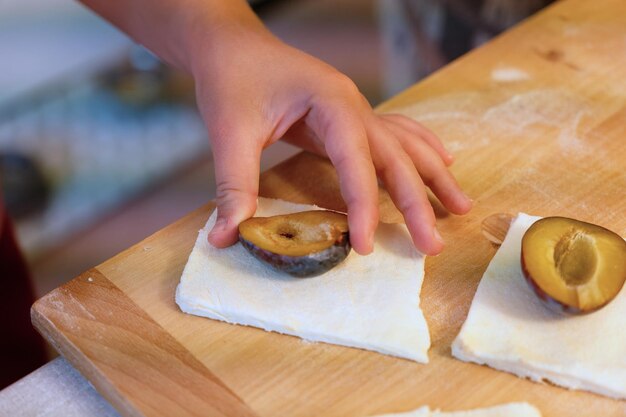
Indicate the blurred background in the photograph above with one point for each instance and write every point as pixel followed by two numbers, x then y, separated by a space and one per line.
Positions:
pixel 100 143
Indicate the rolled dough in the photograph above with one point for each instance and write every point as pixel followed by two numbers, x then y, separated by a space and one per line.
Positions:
pixel 369 302
pixel 508 328
pixel 504 410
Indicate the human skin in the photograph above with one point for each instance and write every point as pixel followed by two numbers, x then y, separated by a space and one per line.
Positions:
pixel 252 90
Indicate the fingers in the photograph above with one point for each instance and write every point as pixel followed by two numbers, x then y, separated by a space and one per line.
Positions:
pixel 433 171
pixel 237 165
pixel 301 135
pixel 412 127
pixel 345 142
pixel 405 188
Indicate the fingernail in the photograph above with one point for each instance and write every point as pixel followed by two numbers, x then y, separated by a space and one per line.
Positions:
pixel 437 236
pixel 219 226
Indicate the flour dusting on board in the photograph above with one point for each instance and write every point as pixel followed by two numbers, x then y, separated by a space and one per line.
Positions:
pixel 509 75
pixel 473 120
pixel 542 107
pixel 569 140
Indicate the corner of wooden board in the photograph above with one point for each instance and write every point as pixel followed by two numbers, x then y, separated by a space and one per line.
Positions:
pixel 131 360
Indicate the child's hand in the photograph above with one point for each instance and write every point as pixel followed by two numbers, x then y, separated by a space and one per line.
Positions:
pixel 253 89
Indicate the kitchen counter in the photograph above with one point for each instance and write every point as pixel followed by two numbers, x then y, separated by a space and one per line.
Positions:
pixel 54 390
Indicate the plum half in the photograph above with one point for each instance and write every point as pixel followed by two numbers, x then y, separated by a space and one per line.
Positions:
pixel 301 244
pixel 573 266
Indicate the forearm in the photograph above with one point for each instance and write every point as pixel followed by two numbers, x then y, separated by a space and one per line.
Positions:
pixel 173 29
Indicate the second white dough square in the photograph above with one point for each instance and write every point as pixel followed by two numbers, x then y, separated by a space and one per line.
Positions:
pixel 508 328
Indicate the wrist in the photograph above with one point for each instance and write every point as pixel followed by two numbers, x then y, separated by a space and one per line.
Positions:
pixel 211 32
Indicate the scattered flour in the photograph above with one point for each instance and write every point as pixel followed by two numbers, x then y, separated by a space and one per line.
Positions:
pixel 569 141
pixel 509 75
pixel 572 30
pixel 472 120
pixel 541 107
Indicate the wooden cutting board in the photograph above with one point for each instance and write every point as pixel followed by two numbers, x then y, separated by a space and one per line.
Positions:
pixel 537 120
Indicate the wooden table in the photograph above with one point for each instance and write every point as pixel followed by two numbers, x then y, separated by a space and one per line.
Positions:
pixel 537 120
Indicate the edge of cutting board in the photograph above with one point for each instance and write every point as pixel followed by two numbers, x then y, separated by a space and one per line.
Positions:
pixel 87 320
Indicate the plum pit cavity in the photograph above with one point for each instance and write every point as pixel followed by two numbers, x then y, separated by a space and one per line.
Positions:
pixel 575 258
pixel 301 244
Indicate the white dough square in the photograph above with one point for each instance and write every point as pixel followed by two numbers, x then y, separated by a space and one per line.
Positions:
pixel 503 410
pixel 509 329
pixel 369 302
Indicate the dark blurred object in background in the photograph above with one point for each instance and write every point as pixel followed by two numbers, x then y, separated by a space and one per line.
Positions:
pixel 91 143
pixel 469 23
pixel 143 80
pixel 421 36
pixel 21 348
pixel 502 14
pixel 24 187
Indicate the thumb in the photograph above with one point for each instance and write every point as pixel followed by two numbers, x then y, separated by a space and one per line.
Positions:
pixel 237 164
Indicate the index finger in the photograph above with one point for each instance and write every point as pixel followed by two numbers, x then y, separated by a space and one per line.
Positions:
pixel 343 133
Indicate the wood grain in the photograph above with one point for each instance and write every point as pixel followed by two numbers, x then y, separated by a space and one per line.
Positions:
pixel 105 333
pixel 549 143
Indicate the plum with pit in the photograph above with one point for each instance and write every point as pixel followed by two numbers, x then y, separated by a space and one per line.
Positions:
pixel 301 244
pixel 573 266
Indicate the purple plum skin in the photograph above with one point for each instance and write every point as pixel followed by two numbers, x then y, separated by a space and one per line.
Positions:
pixel 305 266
